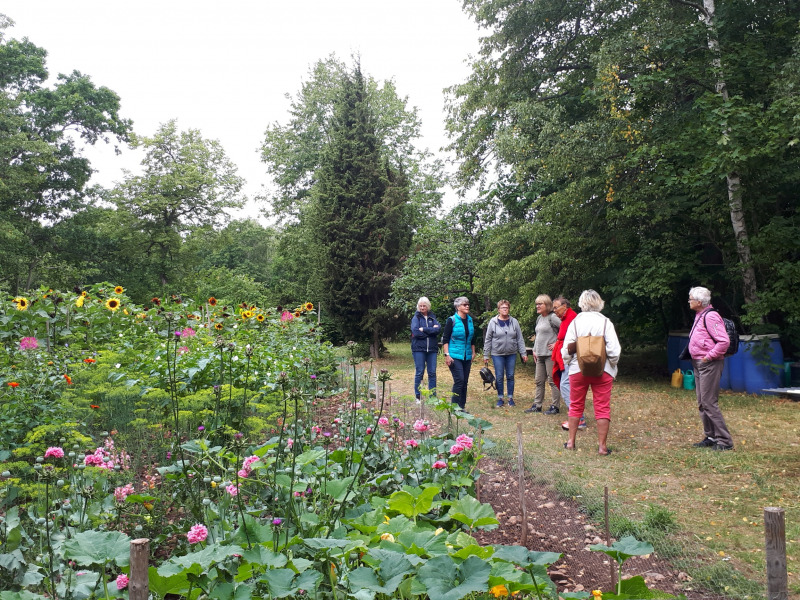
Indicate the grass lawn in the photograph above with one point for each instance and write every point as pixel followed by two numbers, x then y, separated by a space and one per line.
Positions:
pixel 715 532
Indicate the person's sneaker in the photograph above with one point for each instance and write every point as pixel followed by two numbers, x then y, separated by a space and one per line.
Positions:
pixel 721 447
pixel 499 404
pixel 511 402
pixel 706 443
pixel 565 426
pixel 553 410
pixel 582 423
pixel 533 409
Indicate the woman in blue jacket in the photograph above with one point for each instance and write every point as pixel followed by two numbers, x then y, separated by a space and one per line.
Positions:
pixel 424 344
pixel 458 343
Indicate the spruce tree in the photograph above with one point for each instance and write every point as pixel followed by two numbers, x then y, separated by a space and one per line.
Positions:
pixel 361 210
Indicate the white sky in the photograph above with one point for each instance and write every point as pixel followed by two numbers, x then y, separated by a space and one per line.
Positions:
pixel 224 67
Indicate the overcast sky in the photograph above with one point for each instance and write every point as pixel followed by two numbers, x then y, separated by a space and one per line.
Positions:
pixel 224 67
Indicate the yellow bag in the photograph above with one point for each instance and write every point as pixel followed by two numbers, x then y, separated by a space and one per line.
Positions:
pixel 591 351
pixel 677 379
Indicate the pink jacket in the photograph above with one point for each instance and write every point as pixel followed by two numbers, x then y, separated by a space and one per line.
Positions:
pixel 708 326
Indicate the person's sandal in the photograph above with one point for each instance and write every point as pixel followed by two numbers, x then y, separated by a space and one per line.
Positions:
pixel 567 448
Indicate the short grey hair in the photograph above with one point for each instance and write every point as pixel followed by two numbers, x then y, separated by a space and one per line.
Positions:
pixel 701 294
pixel 459 301
pixel 425 302
pixel 562 300
pixel 590 301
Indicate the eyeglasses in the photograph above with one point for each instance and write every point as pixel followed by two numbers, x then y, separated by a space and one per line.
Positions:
pixel 559 307
pixel 540 304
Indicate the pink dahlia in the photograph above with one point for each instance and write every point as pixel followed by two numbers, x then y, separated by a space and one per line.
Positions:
pixel 198 533
pixel 456 449
pixel 440 464
pixel 420 425
pixel 122 581
pixel 54 452
pixel 464 440
pixel 411 443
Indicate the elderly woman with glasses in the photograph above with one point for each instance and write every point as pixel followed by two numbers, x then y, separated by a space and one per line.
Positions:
pixel 425 331
pixel 502 343
pixel 547 325
pixel 708 342
pixel 458 343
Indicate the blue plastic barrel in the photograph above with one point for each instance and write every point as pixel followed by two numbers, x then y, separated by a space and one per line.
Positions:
pixel 768 374
pixel 676 342
pixel 725 379
pixel 735 366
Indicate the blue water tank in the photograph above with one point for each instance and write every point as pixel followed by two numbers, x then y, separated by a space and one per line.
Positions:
pixel 725 379
pixel 735 366
pixel 764 349
pixel 676 342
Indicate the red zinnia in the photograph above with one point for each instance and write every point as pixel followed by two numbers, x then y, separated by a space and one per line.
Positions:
pixel 89 361
pixel 13 384
pixel 69 379
pixel 94 406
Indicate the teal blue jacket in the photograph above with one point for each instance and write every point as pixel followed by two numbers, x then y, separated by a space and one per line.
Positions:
pixel 459 341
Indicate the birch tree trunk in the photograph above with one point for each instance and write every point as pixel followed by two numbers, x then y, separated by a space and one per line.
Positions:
pixel 733 179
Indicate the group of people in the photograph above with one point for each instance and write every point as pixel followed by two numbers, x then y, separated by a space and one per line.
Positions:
pixel 558 328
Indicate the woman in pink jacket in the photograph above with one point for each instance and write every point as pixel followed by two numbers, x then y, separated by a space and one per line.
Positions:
pixel 708 342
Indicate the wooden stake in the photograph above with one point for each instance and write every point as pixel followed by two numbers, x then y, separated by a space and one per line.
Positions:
pixel 612 563
pixel 521 468
pixel 775 541
pixel 478 480
pixel 139 584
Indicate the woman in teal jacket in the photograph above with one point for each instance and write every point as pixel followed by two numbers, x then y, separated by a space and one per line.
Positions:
pixel 458 343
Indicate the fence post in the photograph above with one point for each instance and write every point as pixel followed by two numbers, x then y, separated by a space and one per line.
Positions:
pixel 139 584
pixel 775 541
pixel 611 561
pixel 521 468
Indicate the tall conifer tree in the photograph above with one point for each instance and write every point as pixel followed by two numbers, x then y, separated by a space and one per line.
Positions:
pixel 361 214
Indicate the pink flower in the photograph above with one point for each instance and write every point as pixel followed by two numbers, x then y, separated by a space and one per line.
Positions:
pixel 183 350
pixel 28 343
pixel 369 430
pixel 289 442
pixel 337 420
pixel 233 490
pixel 411 443
pixel 316 430
pixel 383 421
pixel 456 449
pixel 420 425
pixel 440 464
pixel 400 425
pixel 93 460
pixel 54 452
pixel 122 581
pixel 188 332
pixel 244 473
pixel 123 492
pixel 198 533
pixel 465 441
pixel 286 316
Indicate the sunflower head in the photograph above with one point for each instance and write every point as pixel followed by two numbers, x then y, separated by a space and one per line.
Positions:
pixel 308 306
pixel 112 304
pixel 119 289
pixel 84 293
pixel 219 326
pixel 212 301
pixel 247 314
pixel 260 318
pixel 22 303
pixel 297 313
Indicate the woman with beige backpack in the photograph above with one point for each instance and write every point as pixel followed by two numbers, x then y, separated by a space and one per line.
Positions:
pixel 591 352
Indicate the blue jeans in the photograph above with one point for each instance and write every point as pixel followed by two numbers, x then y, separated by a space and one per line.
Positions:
pixel 565 387
pixel 460 371
pixel 504 365
pixel 421 361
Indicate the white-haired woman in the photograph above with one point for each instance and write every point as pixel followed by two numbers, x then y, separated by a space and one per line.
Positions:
pixel 590 322
pixel 425 331
pixel 458 343
pixel 708 342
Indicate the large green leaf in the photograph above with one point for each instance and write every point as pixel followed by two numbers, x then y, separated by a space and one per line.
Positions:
pixel 413 502
pixel 226 591
pixel 198 562
pixel 472 513
pixel 337 489
pixel 623 549
pixel 23 595
pixel 264 557
pixel 445 580
pixel 524 557
pixel 163 585
pixel 422 543
pixel 393 568
pixel 98 548
pixel 283 582
pixel 483 552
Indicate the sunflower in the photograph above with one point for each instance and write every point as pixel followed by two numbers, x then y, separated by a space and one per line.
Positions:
pixel 247 314
pixel 84 293
pixel 22 303
pixel 260 318
pixel 79 301
pixel 156 301
pixel 219 326
pixel 112 304
pixel 119 289
pixel 297 313
pixel 212 301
